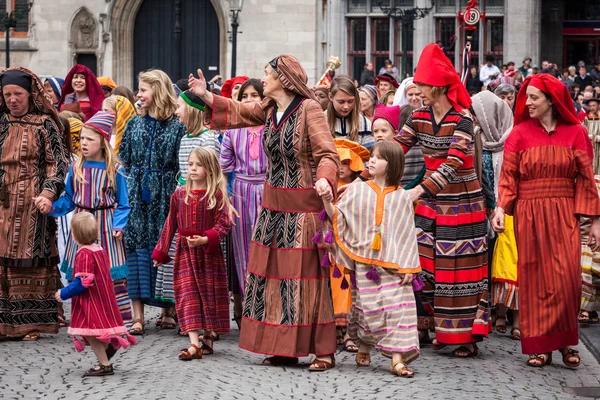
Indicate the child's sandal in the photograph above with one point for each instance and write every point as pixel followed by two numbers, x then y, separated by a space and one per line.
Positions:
pixel 185 354
pixel 100 370
pixel 363 359
pixel 404 371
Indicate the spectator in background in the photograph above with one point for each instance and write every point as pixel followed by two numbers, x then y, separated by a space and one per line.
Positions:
pixel 368 75
pixel 525 67
pixel 579 99
pixel 384 83
pixel 588 89
pixel 388 68
pixel 583 78
pixel 572 73
pixel 575 90
pixel 489 71
pixel 566 80
pixel 535 69
pixel 474 84
pixel 595 73
pixel 503 69
pixel 510 69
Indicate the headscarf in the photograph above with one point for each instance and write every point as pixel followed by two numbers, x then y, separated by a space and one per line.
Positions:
pixel 17 78
pixel 435 69
pixel 353 152
pixel 107 81
pixel 75 127
pixel 56 84
pixel 125 111
pixel 390 114
pixel 400 97
pixel 292 75
pixel 370 91
pixel 495 119
pixel 558 92
pixel 41 101
pixel 493 85
pixel 227 87
pixel 92 87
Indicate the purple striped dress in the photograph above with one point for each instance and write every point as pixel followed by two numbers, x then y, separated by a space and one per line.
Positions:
pixel 242 153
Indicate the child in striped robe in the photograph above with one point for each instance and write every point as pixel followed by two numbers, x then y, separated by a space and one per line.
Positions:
pixel 374 232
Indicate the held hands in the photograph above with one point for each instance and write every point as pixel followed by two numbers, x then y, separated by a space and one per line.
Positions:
pixel 594 239
pixel 498 221
pixel 42 204
pixel 197 86
pixel 117 235
pixel 57 296
pixel 415 193
pixel 324 190
pixel 408 278
pixel 195 241
pixel 232 214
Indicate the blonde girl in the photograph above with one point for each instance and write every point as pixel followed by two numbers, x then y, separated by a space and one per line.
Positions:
pixel 343 113
pixel 149 152
pixel 124 110
pixel 199 217
pixel 96 183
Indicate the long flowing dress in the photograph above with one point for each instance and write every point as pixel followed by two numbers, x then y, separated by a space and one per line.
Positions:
pixel 199 273
pixel 546 183
pixel 384 312
pixel 243 154
pixel 110 206
pixel 590 267
pixel 287 304
pixel 451 227
pixel 33 162
pixel 149 151
pixel 164 274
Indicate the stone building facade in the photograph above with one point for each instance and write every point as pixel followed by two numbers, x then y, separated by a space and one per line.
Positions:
pixel 118 38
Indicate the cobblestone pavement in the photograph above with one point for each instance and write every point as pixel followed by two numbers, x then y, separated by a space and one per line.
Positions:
pixel 51 369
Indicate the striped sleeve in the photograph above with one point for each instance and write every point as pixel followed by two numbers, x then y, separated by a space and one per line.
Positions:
pixel 407 137
pixel 459 148
pixel 587 201
pixel 227 156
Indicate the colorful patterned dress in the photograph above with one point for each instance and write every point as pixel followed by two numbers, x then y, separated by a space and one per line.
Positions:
pixel 383 313
pixel 110 206
pixel 546 183
pixel 150 153
pixel 164 274
pixel 590 267
pixel 199 273
pixel 451 227
pixel 244 155
pixel 287 305
pixel 33 162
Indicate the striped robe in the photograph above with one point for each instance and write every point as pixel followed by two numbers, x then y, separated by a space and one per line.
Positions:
pixel 383 313
pixel 590 267
pixel 547 182
pixel 451 227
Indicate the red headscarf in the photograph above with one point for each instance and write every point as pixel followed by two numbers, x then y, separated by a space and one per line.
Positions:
pixel 230 83
pixel 553 88
pixel 92 87
pixel 435 69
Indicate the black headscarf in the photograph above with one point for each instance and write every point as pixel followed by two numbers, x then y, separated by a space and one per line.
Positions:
pixel 16 77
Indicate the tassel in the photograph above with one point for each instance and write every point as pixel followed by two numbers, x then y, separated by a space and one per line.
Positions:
pixel 372 275
pixel 122 342
pixel 104 338
pixel 329 237
pixel 114 342
pixel 344 285
pixel 132 340
pixel 325 261
pixel 317 237
pixel 336 272
pixel 417 283
pixel 78 345
pixel 323 216
pixel 376 245
pixel 353 278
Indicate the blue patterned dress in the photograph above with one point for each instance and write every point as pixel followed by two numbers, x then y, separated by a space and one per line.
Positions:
pixel 149 152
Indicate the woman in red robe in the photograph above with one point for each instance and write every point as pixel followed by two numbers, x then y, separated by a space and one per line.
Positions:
pixel 547 183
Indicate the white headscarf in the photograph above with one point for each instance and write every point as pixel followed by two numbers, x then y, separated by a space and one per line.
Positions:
pixel 400 98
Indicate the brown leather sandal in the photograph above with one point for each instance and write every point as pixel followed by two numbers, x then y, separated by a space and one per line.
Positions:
pixel 466 352
pixel 31 336
pixel 185 355
pixel 279 361
pixel 100 370
pixel 515 334
pixel 322 365
pixel 137 331
pixel 543 361
pixel 363 359
pixel 207 350
pixel 404 371
pixel 570 353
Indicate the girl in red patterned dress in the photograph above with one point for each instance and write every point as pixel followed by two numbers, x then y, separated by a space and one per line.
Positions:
pixel 95 314
pixel 199 214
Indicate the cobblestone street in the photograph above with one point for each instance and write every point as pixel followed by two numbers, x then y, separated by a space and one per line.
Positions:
pixel 51 369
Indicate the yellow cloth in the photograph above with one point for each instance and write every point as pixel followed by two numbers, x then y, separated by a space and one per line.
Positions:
pixel 107 81
pixel 125 111
pixel 504 262
pixel 75 127
pixel 353 152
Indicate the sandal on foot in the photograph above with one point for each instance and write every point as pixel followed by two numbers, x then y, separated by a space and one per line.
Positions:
pixel 594 317
pixel 321 365
pixel 137 331
pixel 515 334
pixel 185 354
pixel 500 328
pixel 363 359
pixel 570 353
pixel 404 371
pixel 206 349
pixel 279 361
pixel 584 317
pixel 167 324
pixel 539 360
pixel 31 337
pixel 437 345
pixel 350 348
pixel 100 370
pixel 467 353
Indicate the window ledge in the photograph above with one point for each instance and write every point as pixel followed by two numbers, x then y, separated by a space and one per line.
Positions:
pixel 16 44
